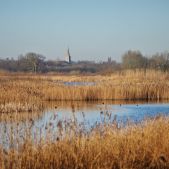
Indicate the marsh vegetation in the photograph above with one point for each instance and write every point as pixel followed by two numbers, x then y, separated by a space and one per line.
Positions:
pixel 27 142
pixel 107 145
pixel 27 91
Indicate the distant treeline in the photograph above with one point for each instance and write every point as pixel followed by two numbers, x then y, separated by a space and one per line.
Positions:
pixel 33 62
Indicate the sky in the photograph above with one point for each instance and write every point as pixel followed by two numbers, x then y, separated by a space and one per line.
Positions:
pixel 92 29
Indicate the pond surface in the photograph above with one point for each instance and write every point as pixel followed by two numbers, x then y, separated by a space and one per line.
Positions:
pixel 49 122
pixel 96 112
pixel 79 83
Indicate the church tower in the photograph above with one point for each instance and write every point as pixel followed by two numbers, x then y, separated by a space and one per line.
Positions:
pixel 67 56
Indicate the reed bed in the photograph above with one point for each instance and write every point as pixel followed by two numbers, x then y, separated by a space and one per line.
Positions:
pixel 19 107
pixel 28 91
pixel 107 145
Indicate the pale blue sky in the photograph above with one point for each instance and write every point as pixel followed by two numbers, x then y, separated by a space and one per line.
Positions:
pixel 93 29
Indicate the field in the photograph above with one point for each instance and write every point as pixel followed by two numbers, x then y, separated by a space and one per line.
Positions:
pixel 105 145
pixel 26 92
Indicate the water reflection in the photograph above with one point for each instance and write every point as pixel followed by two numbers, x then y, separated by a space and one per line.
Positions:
pixel 95 111
pixel 47 125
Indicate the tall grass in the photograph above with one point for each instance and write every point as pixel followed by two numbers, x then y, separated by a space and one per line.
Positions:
pixel 107 146
pixel 29 90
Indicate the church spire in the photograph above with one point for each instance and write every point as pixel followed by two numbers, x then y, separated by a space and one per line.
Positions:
pixel 68 57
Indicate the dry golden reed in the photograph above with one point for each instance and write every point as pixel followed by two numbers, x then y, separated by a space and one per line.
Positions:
pixel 28 90
pixel 106 147
pixel 125 85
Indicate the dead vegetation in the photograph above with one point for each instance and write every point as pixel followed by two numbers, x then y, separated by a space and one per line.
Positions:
pixel 28 89
pixel 106 146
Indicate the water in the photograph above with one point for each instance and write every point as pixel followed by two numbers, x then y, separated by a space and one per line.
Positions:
pixel 79 83
pixel 76 83
pixel 134 112
pixel 15 130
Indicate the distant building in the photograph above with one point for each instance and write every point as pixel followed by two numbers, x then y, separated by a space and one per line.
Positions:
pixel 67 56
pixel 109 60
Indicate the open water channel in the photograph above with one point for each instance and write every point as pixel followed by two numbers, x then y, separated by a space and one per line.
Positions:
pixel 48 124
